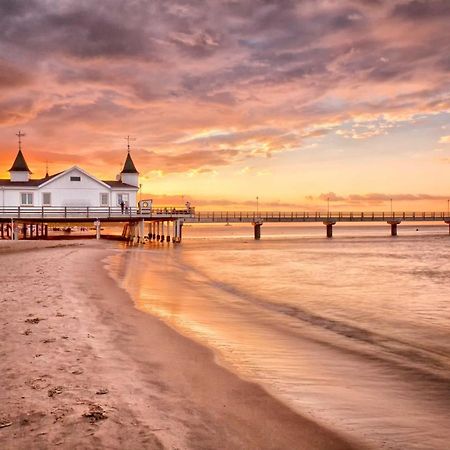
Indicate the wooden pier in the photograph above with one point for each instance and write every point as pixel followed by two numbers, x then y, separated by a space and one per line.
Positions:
pixel 166 224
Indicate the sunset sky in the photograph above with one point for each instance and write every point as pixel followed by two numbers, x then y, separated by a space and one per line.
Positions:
pixel 291 101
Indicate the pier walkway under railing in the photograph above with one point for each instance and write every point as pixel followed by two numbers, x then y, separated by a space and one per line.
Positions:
pixel 162 218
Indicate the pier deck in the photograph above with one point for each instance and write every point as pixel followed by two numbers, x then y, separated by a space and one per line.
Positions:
pixel 156 217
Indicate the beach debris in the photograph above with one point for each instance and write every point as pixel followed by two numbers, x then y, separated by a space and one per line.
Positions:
pixel 60 315
pixel 35 320
pixel 77 372
pixel 55 391
pixel 27 332
pixel 64 337
pixel 95 414
pixel 48 341
pixel 4 422
pixel 102 391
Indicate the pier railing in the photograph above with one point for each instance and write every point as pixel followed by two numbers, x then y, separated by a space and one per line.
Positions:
pixel 90 213
pixel 318 216
pixel 116 213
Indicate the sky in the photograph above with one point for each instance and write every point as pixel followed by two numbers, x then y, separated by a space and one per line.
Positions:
pixel 293 102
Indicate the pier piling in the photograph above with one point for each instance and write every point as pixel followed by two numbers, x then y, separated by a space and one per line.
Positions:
pixel 257 230
pixel 394 224
pixel 329 226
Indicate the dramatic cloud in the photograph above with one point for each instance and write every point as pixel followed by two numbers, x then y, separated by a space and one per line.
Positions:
pixel 207 84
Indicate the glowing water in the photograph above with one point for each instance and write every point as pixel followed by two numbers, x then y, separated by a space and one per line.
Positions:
pixel 353 331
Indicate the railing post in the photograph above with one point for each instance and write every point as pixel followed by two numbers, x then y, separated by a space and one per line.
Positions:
pixel 42 213
pixel 18 212
pixel 65 212
pixel 87 211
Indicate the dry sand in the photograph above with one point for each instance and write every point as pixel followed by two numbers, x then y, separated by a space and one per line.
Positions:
pixel 81 368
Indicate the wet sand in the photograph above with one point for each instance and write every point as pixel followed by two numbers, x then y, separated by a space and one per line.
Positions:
pixel 82 368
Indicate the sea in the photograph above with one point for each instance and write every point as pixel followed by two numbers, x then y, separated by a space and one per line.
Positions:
pixel 352 332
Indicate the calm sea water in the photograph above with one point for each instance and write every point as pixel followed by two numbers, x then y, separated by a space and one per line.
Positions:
pixel 353 332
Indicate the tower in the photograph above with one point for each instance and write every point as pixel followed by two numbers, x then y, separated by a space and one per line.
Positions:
pixel 129 174
pixel 20 171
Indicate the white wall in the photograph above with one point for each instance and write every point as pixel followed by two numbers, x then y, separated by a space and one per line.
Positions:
pixel 65 192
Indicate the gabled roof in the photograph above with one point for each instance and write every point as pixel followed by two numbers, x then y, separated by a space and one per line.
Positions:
pixel 129 166
pixel 20 165
pixel 30 183
pixel 79 169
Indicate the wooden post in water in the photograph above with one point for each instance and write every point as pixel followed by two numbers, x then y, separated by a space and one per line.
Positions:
pixel 168 232
pixel 157 231
pixel 162 231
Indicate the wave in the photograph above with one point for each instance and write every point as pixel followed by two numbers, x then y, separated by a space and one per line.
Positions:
pixel 375 345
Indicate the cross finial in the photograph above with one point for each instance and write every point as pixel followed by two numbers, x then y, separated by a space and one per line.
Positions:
pixel 20 135
pixel 129 139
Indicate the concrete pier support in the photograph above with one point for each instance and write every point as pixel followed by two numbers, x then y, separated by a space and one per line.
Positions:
pixel 448 223
pixel 329 225
pixel 141 231
pixel 257 229
pixel 394 224
pixel 157 231
pixel 97 229
pixel 177 231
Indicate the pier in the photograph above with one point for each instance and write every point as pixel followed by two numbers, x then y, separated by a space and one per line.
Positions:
pixel 166 224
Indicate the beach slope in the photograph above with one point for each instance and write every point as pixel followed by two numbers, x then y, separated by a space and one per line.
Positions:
pixel 82 368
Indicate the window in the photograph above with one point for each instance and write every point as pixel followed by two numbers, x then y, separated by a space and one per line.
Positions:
pixel 46 199
pixel 75 178
pixel 26 198
pixel 104 199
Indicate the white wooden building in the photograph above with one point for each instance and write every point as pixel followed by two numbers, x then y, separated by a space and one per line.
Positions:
pixel 72 187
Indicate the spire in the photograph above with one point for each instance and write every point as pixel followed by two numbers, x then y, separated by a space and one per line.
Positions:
pixel 129 166
pixel 20 165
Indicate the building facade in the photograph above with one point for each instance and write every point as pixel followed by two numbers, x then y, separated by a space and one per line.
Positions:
pixel 72 187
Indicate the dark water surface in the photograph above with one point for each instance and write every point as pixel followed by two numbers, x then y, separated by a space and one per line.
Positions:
pixel 353 331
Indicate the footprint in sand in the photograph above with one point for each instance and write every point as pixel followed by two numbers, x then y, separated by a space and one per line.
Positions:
pixel 55 391
pixel 34 321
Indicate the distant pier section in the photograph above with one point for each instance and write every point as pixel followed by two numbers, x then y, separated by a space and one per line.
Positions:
pixel 165 224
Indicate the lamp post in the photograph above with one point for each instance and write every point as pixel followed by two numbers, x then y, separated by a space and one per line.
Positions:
pixel 257 205
pixel 448 208
pixel 328 206
pixel 392 211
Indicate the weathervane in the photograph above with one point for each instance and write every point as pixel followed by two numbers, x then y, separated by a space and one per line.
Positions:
pixel 128 139
pixel 20 136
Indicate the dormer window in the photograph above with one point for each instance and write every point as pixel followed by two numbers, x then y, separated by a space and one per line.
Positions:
pixel 75 178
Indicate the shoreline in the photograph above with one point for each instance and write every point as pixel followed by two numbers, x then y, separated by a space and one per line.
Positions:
pixel 93 352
